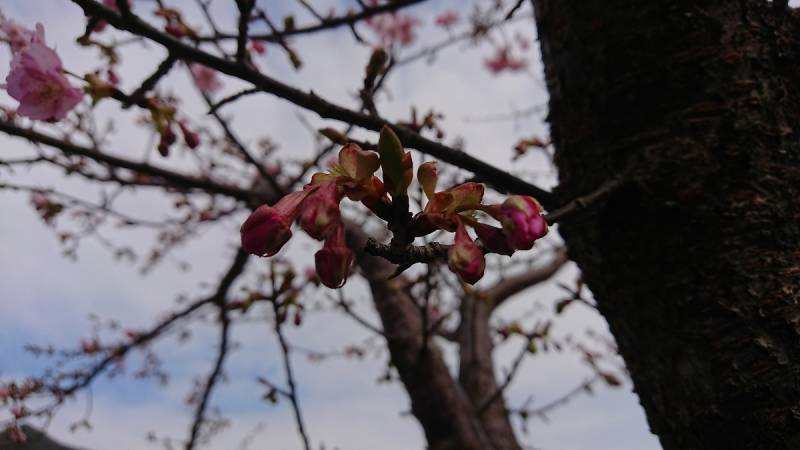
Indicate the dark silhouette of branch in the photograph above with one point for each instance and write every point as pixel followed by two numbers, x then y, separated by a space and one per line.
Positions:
pixel 148 84
pixel 291 393
pixel 325 24
pixel 508 287
pixel 177 180
pixel 213 377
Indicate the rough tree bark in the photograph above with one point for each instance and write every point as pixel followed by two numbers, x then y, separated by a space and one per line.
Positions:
pixel 694 262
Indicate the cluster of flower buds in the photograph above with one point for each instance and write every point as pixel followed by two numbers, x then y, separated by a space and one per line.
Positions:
pixel 47 208
pixel 317 210
pixel 162 115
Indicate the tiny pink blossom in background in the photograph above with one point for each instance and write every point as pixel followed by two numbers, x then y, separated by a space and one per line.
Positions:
pixel 394 28
pixel 37 81
pixel 504 61
pixel 258 47
pixel 205 78
pixel 447 18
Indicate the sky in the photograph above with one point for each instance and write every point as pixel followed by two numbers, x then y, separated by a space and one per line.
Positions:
pixel 47 299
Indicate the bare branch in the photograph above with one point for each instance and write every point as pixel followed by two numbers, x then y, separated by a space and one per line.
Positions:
pixel 498 178
pixel 508 287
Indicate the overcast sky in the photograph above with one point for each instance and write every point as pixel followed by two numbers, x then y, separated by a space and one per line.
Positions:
pixel 46 299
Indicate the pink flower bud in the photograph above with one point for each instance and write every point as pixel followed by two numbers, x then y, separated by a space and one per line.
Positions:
pixel 37 81
pixel 176 29
pixel 428 175
pixel 493 238
pixel 320 213
pixel 113 78
pixel 190 137
pixel 269 227
pixel 522 220
pixel 265 231
pixel 357 163
pixel 333 261
pixel 465 258
pixel 258 47
pixel 167 139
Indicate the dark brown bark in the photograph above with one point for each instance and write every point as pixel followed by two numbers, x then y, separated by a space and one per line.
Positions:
pixel 476 371
pixel 694 262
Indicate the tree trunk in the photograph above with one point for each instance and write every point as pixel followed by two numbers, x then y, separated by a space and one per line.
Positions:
pixel 694 262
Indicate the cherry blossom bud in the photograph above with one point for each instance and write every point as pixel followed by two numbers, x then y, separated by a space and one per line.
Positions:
pixel 176 29
pixel 493 238
pixel 333 261
pixel 465 258
pixel 37 81
pixel 320 212
pixel 113 78
pixel 258 47
pixel 427 175
pixel 268 228
pixel 190 137
pixel 168 138
pixel 521 219
pixel 265 232
pixel 376 62
pixel 357 163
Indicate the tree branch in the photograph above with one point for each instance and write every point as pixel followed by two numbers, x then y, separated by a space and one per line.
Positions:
pixel 177 179
pixel 508 287
pixel 500 179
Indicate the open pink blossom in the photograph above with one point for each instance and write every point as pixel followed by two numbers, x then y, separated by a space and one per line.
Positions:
pixel 37 81
pixel 504 61
pixel 394 28
pixel 205 78
pixel 447 18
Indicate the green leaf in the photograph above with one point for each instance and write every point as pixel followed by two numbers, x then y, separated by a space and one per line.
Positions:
pixel 391 152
